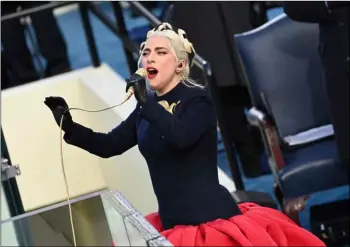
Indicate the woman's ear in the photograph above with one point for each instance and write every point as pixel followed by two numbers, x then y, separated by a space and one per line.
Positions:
pixel 180 66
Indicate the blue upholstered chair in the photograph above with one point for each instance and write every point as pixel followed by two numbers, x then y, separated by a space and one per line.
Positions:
pixel 280 64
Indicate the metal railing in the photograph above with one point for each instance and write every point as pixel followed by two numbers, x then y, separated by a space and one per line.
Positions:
pixel 115 208
pixel 131 49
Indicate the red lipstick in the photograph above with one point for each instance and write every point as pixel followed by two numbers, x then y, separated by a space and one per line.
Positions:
pixel 151 72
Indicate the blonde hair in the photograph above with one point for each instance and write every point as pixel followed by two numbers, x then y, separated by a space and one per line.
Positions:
pixel 181 47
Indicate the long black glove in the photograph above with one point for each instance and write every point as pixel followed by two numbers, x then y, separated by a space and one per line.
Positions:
pixel 139 85
pixel 59 107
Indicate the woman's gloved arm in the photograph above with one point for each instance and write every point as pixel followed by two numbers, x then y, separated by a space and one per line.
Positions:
pixel 104 145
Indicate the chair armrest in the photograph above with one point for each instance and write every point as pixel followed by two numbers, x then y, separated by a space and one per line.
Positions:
pixel 260 198
pixel 259 119
pixel 256 117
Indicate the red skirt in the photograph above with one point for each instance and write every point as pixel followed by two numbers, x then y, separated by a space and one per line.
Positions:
pixel 257 226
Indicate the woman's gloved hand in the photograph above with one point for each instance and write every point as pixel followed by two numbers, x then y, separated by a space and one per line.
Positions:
pixel 138 84
pixel 59 107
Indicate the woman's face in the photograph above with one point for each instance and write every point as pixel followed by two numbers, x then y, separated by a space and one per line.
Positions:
pixel 160 63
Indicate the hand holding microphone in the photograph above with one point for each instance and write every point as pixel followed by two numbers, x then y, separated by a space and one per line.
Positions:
pixel 136 85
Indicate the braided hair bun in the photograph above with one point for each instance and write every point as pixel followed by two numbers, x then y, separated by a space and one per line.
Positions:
pixel 166 27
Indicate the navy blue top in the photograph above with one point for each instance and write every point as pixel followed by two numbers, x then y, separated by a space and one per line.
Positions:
pixel 180 147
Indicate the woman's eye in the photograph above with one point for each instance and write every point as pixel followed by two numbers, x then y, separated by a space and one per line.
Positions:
pixel 162 52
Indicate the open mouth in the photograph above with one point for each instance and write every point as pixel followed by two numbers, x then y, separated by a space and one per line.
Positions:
pixel 151 72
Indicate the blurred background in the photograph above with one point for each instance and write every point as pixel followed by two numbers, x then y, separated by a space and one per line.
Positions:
pixel 84 50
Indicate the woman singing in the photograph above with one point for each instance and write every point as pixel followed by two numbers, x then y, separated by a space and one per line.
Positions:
pixel 175 130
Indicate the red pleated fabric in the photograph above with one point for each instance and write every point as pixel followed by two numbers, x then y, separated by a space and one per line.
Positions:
pixel 257 226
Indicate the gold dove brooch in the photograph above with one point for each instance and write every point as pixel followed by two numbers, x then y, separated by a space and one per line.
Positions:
pixel 169 108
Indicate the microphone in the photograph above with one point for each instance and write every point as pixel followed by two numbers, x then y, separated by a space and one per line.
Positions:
pixel 141 72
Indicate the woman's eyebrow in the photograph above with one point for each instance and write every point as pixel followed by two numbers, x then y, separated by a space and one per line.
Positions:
pixel 157 48
pixel 161 48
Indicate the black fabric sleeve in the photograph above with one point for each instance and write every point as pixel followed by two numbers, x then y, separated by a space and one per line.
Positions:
pixel 312 12
pixel 197 116
pixel 105 145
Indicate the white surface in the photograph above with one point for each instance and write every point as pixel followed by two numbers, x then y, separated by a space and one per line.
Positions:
pixel 8 231
pixel 32 138
pixel 310 135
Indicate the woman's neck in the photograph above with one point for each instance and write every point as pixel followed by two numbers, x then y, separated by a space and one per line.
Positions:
pixel 169 87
